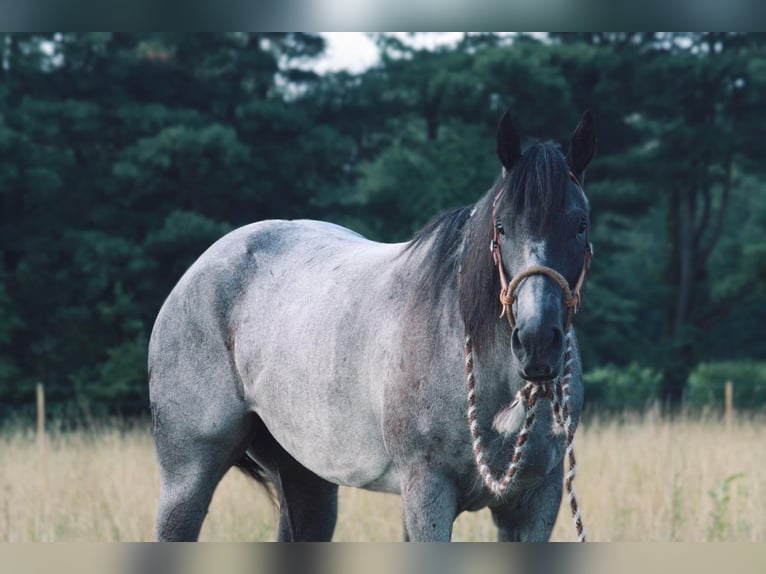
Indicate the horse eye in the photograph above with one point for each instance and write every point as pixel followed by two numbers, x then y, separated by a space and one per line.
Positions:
pixel 499 227
pixel 582 229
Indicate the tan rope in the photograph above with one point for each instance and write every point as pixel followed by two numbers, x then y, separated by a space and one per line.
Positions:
pixel 571 300
pixel 558 392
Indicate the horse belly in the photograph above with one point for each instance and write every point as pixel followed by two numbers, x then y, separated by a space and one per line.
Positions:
pixel 308 383
pixel 340 443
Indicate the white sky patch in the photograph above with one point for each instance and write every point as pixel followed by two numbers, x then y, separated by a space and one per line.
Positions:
pixel 355 52
pixel 350 51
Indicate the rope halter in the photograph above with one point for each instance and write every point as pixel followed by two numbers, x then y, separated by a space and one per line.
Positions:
pixel 572 297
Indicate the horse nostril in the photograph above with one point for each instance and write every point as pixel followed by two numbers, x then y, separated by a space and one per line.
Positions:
pixel 516 346
pixel 558 338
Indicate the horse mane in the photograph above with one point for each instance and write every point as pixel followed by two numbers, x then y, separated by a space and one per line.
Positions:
pixel 458 240
pixel 442 236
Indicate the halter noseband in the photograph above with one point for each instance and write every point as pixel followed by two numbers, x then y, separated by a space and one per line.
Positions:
pixel 572 297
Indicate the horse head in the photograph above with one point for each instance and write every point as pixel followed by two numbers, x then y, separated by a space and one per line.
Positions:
pixel 540 243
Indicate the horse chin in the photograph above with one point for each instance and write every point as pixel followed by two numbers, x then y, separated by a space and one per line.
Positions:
pixel 538 379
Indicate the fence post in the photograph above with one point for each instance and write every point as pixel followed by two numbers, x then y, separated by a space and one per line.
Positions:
pixel 40 414
pixel 729 401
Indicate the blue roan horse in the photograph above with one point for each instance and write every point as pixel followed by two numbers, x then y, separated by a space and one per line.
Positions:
pixel 312 357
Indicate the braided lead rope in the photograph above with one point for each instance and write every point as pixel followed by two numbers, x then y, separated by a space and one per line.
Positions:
pixel 558 392
pixel 557 398
pixel 566 415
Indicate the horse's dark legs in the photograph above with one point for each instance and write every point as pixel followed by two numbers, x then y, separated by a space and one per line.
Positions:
pixel 308 505
pixel 429 506
pixel 530 517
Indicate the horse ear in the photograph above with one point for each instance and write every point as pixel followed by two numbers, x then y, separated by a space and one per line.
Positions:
pixel 508 142
pixel 582 147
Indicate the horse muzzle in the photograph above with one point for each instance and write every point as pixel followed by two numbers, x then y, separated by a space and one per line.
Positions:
pixel 537 331
pixel 539 352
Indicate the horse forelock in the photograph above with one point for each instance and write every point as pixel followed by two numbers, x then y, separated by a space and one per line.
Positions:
pixel 537 187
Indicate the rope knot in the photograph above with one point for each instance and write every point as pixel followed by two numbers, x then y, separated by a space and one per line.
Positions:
pixel 573 302
pixel 506 300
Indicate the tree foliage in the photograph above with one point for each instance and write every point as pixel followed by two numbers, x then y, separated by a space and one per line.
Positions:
pixel 123 156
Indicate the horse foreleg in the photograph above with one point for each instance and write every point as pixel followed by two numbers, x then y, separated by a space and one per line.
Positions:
pixel 429 504
pixel 530 517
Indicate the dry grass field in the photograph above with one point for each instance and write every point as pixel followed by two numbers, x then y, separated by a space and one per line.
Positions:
pixel 640 479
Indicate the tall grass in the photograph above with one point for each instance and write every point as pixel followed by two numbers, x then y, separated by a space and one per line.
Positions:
pixel 639 479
